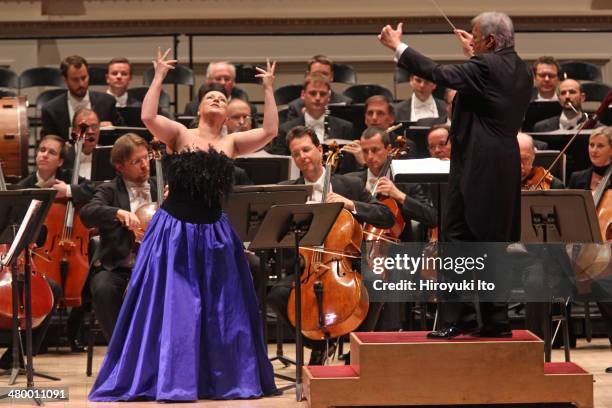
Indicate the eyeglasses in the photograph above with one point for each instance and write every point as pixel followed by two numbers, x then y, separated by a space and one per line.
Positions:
pixel 140 160
pixel 546 75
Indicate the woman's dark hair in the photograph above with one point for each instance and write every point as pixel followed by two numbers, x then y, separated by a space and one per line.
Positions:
pixel 206 88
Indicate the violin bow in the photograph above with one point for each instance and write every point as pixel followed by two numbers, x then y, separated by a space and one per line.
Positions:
pixel 587 124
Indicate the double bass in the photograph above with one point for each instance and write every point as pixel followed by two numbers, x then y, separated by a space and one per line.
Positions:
pixel 65 255
pixel 41 294
pixel 334 298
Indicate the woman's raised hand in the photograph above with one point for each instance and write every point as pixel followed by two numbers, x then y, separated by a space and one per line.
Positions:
pixel 161 64
pixel 267 75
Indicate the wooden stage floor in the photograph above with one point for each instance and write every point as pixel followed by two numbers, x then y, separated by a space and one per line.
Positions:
pixel 593 357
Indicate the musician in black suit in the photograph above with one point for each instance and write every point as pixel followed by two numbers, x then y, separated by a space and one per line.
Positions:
pixel 422 107
pixel 118 77
pixel 319 65
pixel 57 114
pixel 52 172
pixel 600 154
pixel 484 191
pixel 412 202
pixel 112 212
pixel 316 96
pixel 570 94
pixel 307 154
pixel 379 112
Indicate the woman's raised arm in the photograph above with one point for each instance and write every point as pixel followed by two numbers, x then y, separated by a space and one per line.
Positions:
pixel 161 127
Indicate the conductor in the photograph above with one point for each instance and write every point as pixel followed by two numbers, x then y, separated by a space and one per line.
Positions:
pixel 484 186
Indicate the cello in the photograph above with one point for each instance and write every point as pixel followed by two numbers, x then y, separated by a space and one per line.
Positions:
pixel 334 298
pixel 42 296
pixel 65 255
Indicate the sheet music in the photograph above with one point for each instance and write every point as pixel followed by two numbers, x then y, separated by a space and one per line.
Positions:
pixel 32 209
pixel 420 166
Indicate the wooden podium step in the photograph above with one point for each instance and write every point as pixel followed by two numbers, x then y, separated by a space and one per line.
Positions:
pixel 407 368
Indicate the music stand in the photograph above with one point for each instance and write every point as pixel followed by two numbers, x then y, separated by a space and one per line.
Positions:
pixel 266 170
pixel 28 208
pixel 292 226
pixel 537 111
pixel 246 208
pixel 558 216
pixel 109 134
pixel 418 134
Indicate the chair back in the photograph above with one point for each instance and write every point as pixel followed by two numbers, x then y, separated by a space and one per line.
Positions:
pixel 360 93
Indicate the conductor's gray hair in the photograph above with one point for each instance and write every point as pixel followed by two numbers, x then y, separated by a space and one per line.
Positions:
pixel 498 24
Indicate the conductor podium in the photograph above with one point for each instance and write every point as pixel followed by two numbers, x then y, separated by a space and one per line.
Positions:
pixel 407 368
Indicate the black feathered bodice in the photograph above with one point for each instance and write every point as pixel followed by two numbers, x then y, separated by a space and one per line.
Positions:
pixel 197 182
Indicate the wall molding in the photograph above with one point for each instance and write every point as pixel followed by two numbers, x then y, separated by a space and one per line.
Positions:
pixel 346 25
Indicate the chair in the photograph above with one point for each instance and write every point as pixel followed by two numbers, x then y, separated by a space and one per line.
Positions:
pixel 8 79
pixel 46 96
pixel 180 75
pixel 94 328
pixel 287 93
pixel 41 76
pixel 97 75
pixel 595 91
pixel 580 71
pixel 359 93
pixel 245 74
pixel 139 93
pixel 344 74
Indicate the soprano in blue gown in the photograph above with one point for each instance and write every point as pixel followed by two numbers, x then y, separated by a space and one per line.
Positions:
pixel 189 326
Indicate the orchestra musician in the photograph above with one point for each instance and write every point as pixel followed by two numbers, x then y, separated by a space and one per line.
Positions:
pixel 493 92
pixel 50 173
pixel 600 155
pixel 438 142
pixel 112 211
pixel 411 199
pixel 307 154
pixel 530 175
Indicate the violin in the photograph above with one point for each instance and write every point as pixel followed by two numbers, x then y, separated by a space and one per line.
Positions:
pixel 65 255
pixel 334 299
pixel 538 179
pixel 146 212
pixel 392 234
pixel 42 296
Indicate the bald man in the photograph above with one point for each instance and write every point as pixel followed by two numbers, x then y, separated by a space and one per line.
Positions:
pixel 570 94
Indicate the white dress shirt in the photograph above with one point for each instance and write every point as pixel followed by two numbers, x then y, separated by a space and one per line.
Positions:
pixel 121 100
pixel 75 104
pixel 140 194
pixel 49 184
pixel 422 110
pixel 317 124
pixel 317 191
pixel 85 165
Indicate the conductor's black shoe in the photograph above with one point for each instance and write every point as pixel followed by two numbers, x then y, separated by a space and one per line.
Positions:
pixel 609 370
pixel 76 346
pixel 448 333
